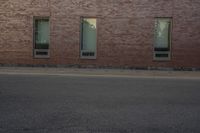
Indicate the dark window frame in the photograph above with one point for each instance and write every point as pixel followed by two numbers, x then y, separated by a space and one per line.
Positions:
pixel 167 50
pixel 94 55
pixel 35 48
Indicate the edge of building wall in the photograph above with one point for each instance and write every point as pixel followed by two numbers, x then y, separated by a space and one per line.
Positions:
pixel 103 67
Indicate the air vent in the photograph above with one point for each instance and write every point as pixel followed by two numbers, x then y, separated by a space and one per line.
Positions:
pixel 41 53
pixel 162 55
pixel 88 54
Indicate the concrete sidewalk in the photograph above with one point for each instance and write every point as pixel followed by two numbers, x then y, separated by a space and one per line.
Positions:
pixel 98 72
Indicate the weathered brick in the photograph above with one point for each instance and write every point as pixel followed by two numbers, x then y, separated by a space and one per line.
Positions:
pixel 125 31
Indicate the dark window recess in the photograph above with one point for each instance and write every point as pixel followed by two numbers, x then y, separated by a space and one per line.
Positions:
pixel 162 49
pixel 41 46
pixel 162 55
pixel 41 52
pixel 88 54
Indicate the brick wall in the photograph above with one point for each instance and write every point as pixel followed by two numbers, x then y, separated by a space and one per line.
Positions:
pixel 125 31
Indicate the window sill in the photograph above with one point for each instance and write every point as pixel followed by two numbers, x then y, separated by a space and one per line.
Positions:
pixel 88 58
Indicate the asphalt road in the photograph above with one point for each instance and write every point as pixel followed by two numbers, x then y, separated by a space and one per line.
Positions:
pixel 73 104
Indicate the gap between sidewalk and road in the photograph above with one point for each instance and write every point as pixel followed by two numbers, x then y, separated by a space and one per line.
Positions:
pixel 99 72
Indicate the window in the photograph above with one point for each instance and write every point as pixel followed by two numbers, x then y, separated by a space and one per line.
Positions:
pixel 88 38
pixel 41 37
pixel 162 45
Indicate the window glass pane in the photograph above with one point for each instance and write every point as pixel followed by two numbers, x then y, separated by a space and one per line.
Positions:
pixel 162 35
pixel 89 35
pixel 42 33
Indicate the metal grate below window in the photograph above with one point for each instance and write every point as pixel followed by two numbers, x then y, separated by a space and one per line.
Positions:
pixel 85 54
pixel 162 55
pixel 41 53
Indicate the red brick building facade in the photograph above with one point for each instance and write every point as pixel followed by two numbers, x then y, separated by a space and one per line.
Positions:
pixel 125 32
